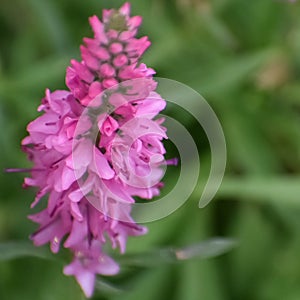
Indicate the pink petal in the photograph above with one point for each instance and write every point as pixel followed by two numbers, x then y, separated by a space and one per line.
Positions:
pixel 107 266
pixel 47 124
pixel 95 89
pixel 77 235
pixel 75 211
pixel 68 177
pixel 102 166
pixel 135 21
pixel 87 282
pixel 91 61
pixel 107 70
pixel 82 71
pixel 98 29
pixel 116 48
pixel 125 9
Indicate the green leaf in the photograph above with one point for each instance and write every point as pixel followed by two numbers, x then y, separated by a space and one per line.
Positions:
pixel 148 286
pixel 203 250
pixel 107 289
pixel 284 190
pixel 232 72
pixel 37 77
pixel 51 23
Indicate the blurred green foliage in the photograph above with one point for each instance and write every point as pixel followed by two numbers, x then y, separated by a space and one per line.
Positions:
pixel 244 58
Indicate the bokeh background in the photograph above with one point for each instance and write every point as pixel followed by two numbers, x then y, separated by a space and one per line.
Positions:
pixel 244 58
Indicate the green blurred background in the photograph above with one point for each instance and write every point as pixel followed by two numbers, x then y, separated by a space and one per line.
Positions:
pixel 244 58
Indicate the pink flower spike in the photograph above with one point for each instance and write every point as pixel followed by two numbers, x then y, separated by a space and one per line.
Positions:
pixel 95 147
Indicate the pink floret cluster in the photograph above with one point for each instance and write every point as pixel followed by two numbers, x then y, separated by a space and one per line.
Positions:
pixel 97 146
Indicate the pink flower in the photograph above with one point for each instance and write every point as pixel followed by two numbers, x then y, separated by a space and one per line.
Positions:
pixel 88 261
pixel 93 151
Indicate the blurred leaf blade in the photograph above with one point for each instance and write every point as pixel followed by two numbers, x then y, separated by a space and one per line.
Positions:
pixel 15 250
pixel 283 190
pixel 202 250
